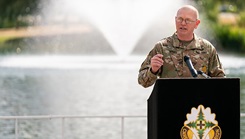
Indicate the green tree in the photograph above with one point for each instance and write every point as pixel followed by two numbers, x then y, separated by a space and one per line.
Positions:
pixel 14 13
pixel 211 8
pixel 231 35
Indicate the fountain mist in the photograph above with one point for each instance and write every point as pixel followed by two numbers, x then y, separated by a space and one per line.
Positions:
pixel 122 22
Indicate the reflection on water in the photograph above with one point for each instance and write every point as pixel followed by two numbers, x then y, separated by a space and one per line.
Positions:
pixel 100 86
pixel 234 65
pixel 47 90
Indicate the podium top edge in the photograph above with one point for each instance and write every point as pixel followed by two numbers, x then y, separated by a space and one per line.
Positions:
pixel 183 78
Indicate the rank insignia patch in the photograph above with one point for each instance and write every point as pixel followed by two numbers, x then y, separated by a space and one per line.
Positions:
pixel 200 124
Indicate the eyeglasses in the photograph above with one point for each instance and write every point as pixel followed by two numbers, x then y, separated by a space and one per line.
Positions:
pixel 187 21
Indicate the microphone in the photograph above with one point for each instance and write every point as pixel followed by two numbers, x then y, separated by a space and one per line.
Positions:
pixel 190 66
pixel 203 74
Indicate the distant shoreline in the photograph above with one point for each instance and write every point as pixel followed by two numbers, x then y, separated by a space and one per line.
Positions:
pixel 44 30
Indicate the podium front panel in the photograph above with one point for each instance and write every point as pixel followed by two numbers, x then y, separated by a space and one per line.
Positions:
pixel 173 102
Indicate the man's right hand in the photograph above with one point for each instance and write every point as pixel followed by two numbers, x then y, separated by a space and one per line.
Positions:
pixel 156 62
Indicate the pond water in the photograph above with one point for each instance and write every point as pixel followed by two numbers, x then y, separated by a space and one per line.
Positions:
pixel 81 85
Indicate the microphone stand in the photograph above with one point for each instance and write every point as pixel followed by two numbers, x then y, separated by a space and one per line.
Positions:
pixel 203 74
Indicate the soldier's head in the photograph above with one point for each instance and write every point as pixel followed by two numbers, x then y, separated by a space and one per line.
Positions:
pixel 186 20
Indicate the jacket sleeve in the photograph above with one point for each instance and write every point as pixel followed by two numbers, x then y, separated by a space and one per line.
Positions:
pixel 215 66
pixel 145 77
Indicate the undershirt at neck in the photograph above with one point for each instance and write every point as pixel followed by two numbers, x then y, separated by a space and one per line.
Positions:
pixel 185 43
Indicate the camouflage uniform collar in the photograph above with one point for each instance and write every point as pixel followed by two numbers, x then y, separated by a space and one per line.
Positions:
pixel 194 44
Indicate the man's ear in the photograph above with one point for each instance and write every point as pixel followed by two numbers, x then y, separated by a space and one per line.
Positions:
pixel 197 23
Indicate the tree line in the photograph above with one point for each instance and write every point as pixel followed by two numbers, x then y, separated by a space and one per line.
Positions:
pixel 13 12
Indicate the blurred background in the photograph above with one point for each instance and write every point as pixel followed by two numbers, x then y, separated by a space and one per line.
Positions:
pixel 81 57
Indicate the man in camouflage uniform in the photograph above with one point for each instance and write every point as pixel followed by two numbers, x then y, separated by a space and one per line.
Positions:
pixel 166 60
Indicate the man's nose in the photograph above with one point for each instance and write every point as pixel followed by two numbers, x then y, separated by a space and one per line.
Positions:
pixel 183 22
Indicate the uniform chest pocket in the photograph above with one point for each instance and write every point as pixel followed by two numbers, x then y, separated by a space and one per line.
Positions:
pixel 200 62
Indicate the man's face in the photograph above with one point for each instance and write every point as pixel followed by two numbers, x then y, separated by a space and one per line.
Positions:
pixel 186 22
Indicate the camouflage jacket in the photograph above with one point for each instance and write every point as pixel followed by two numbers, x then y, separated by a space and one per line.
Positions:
pixel 201 52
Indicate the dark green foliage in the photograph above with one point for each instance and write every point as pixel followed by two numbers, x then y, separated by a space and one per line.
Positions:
pixel 231 38
pixel 12 12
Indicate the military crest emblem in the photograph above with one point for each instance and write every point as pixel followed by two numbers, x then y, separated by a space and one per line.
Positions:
pixel 200 124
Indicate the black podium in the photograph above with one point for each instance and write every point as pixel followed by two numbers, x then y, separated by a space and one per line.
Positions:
pixel 183 108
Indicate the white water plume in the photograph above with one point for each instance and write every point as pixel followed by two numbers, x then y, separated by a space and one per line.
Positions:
pixel 122 22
